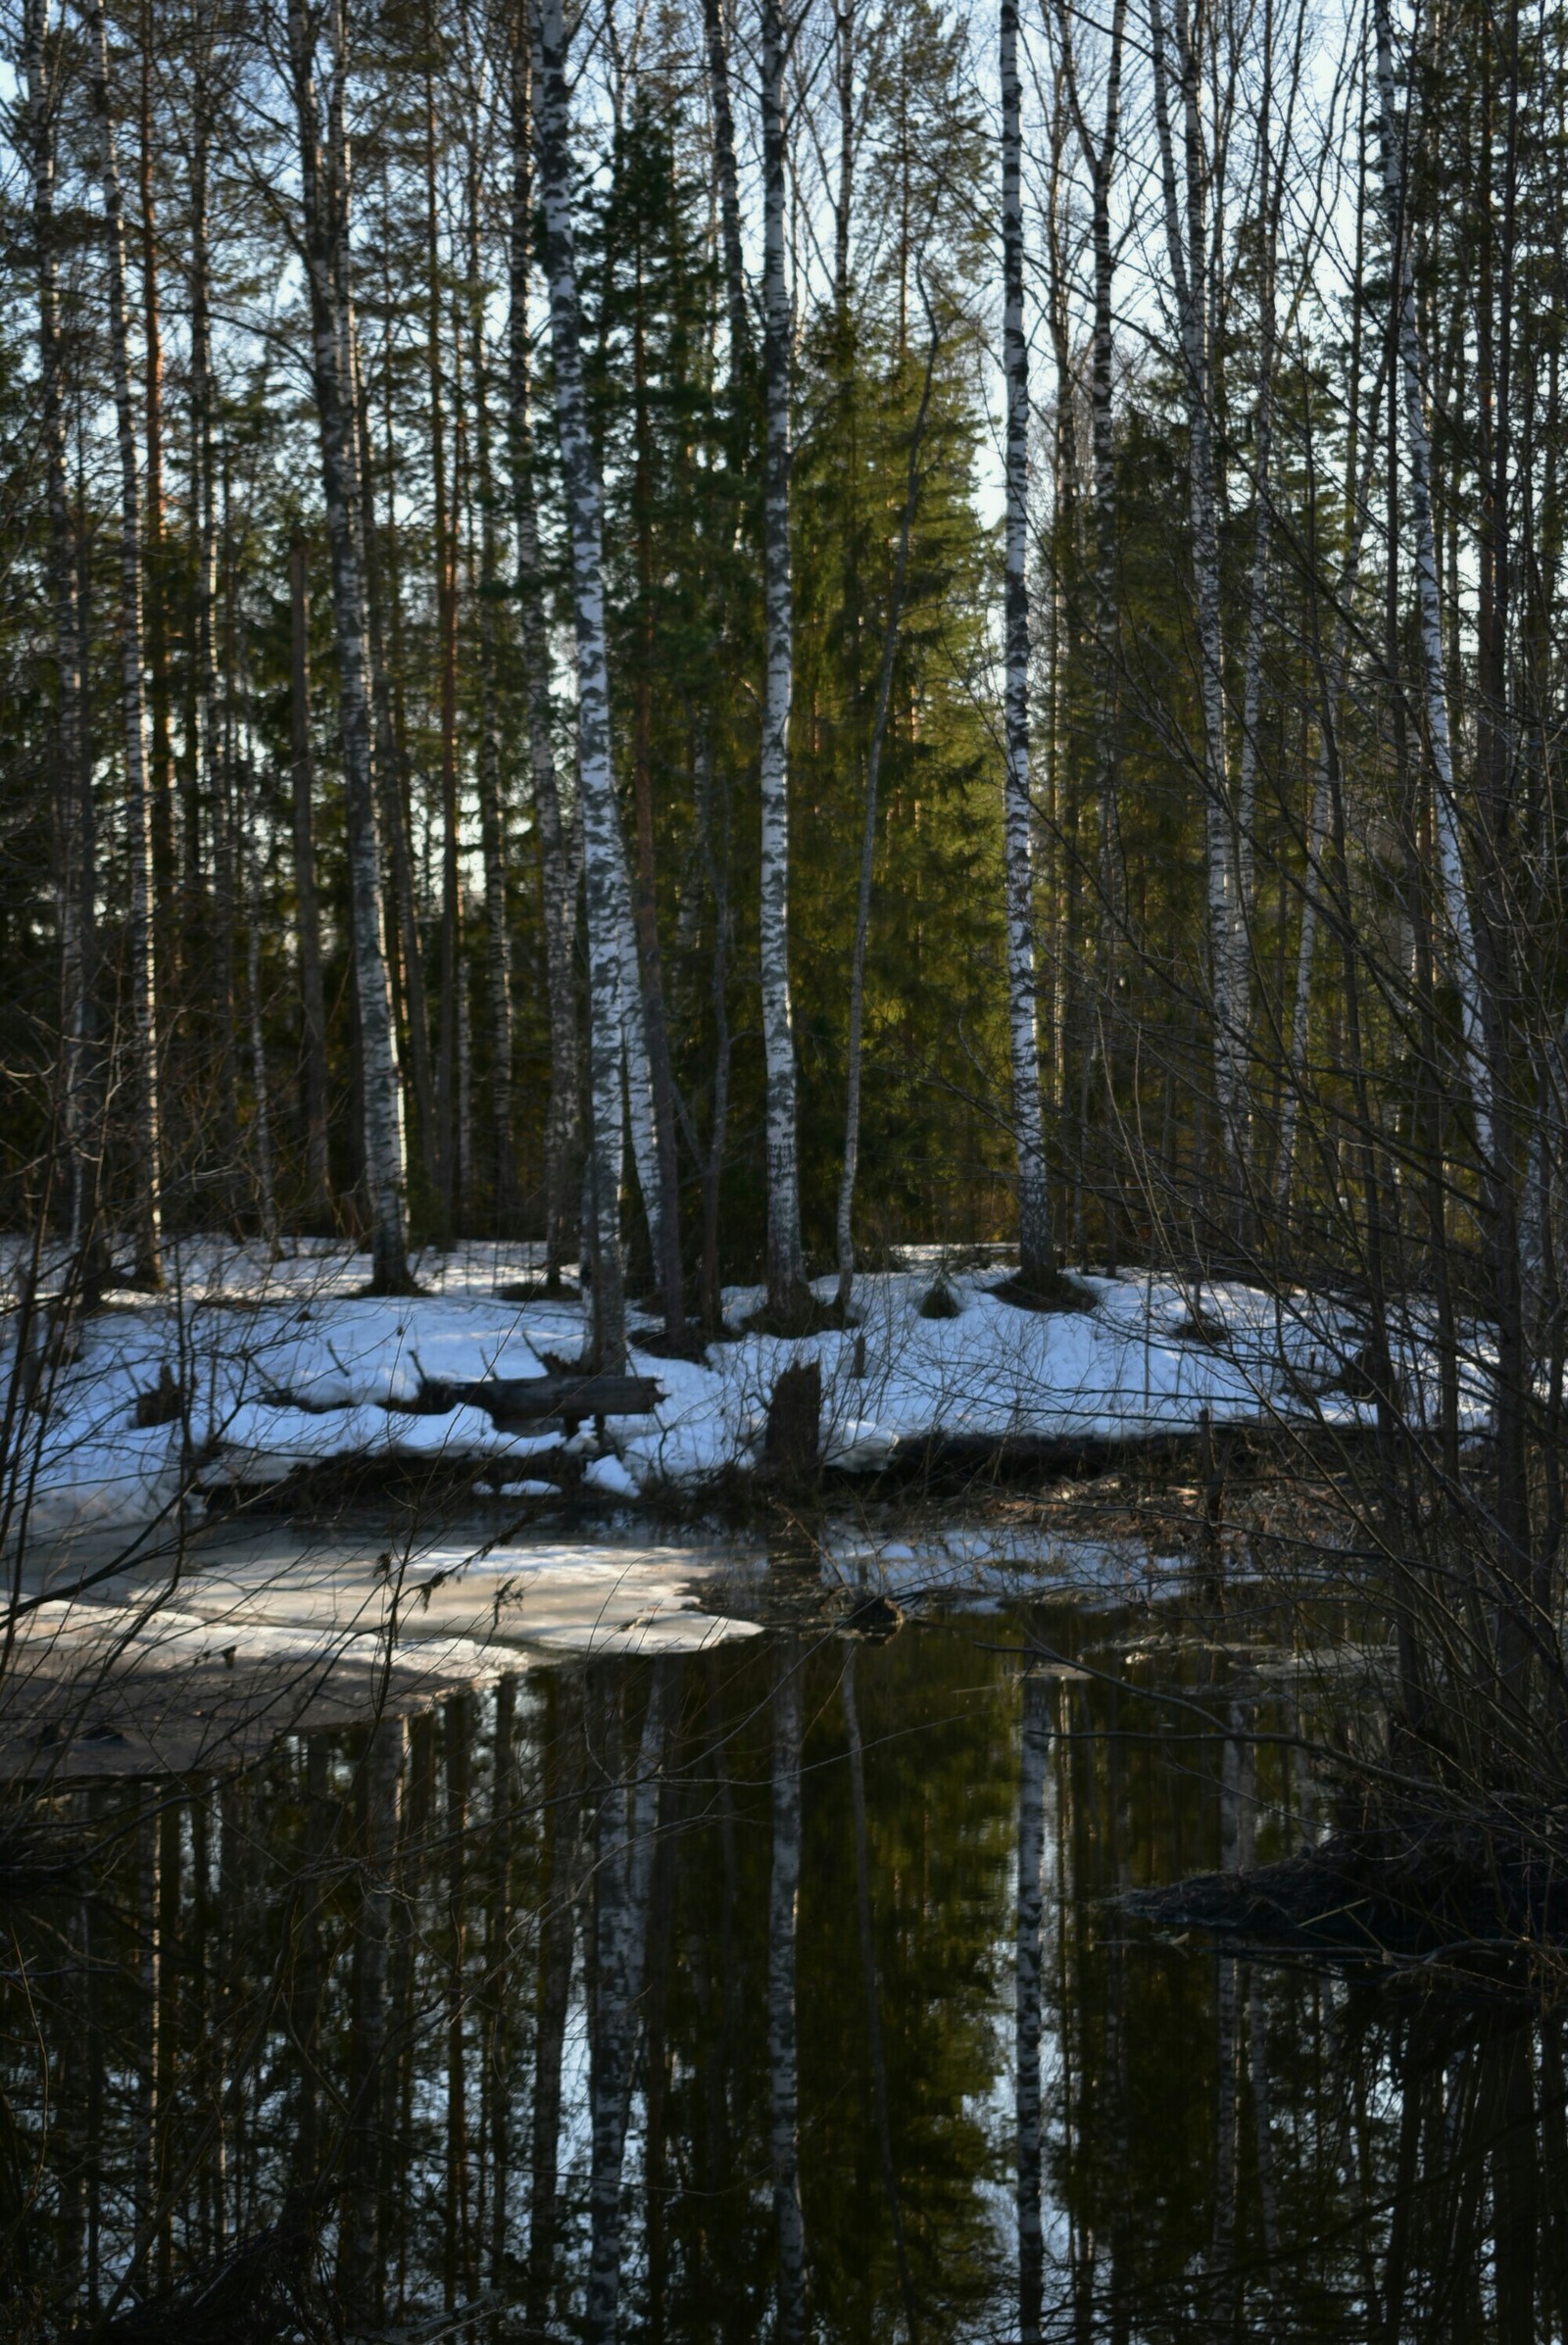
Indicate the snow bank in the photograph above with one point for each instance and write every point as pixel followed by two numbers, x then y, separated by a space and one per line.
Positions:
pixel 285 1364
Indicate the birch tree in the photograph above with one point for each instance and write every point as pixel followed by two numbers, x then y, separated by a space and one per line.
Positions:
pixel 313 992
pixel 146 1208
pixel 789 1297
pixel 559 843
pixel 1036 1252
pixel 324 193
pixel 611 983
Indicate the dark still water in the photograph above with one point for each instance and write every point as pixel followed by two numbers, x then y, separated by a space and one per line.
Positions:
pixel 773 1992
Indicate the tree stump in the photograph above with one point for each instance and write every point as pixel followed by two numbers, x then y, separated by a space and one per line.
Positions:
pixel 791 1445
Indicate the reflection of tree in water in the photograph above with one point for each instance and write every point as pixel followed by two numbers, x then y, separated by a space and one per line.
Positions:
pixel 1263 2149
pixel 501 1994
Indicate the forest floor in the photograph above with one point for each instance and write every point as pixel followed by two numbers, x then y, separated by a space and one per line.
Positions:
pixel 255 1371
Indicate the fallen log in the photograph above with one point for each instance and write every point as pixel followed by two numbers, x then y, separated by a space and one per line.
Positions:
pixel 514 1402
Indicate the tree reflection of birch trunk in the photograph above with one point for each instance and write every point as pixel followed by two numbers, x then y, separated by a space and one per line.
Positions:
pixel 1223 2246
pixel 556 1937
pixel 782 2048
pixel 627 1816
pixel 1026 2004
pixel 362 2260
pixel 496 2172
pixel 458 2276
pixel 873 1999
pixel 166 2027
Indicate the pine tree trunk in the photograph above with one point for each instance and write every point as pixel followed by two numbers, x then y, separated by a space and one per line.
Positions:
pixel 214 780
pixel 1037 1254
pixel 729 206
pixel 445 604
pixel 788 1296
pixel 1186 236
pixel 308 910
pixel 1357 490
pixel 613 986
pixel 1464 969
pixel 667 1263
pixel 146 1212
pixel 76 887
pixel 325 196
pixel 715 859
pixel 1100 159
pixel 862 907
pixel 558 849
pixel 163 755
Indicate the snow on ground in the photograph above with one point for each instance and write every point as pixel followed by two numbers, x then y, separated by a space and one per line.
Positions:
pixel 287 1363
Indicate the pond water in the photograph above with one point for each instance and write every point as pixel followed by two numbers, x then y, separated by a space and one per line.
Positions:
pixel 773 1991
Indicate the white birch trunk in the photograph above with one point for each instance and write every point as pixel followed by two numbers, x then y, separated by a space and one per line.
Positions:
pixel 1451 863
pixel 325 195
pixel 560 870
pixel 787 1290
pixel 313 996
pixel 1187 244
pixel 492 798
pixel 1036 1258
pixel 146 1209
pixel 1252 656
pixel 613 981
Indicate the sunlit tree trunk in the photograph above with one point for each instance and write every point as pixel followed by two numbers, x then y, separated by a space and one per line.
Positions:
pixel 1037 1254
pixel 787 1292
pixel 140 994
pixel 325 195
